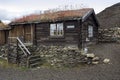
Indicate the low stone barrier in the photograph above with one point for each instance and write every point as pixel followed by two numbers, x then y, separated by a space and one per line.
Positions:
pixel 63 56
pixel 57 56
pixel 109 35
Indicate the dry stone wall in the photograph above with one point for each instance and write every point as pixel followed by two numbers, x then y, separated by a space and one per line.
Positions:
pixel 56 56
pixel 109 35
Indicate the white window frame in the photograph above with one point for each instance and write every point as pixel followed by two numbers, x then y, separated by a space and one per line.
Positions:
pixel 90 31
pixel 56 30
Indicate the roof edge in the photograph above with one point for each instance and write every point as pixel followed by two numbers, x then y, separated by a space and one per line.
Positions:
pixel 78 18
pixel 88 14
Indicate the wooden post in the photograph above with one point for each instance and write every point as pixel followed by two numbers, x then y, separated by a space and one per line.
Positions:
pixel 8 52
pixel 31 33
pixel 79 33
pixel 23 33
pixel 34 37
pixel 28 62
pixel 17 54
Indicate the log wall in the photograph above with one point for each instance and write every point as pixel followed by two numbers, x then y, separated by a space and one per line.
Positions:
pixel 25 31
pixel 89 21
pixel 70 35
pixel 2 37
pixel 39 33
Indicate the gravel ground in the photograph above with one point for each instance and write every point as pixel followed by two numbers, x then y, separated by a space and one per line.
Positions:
pixel 93 72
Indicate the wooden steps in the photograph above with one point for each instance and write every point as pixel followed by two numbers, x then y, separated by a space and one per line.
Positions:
pixel 34 61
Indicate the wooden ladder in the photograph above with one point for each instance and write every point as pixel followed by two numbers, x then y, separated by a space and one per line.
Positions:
pixel 21 45
pixel 31 60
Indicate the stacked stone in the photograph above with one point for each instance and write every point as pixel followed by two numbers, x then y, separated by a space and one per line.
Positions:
pixel 60 56
pixel 12 54
pixel 3 51
pixel 16 56
pixel 109 35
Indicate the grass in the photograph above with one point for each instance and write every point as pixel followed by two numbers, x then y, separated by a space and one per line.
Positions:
pixel 49 66
pixel 4 64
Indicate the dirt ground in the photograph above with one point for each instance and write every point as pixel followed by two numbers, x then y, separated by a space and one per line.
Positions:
pixel 93 72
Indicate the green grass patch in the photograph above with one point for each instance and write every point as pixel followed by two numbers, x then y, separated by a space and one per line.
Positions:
pixel 4 63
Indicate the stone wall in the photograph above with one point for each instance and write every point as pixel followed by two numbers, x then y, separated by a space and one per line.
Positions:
pixel 109 35
pixel 3 51
pixel 60 56
pixel 57 56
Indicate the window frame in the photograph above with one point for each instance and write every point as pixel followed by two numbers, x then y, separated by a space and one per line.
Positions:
pixel 90 31
pixel 57 25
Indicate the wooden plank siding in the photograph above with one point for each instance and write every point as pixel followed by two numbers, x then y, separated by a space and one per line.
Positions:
pixel 89 21
pixel 39 32
pixel 26 31
pixel 70 35
pixel 16 31
pixel 2 37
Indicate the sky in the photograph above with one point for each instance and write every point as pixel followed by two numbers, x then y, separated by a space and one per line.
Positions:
pixel 11 9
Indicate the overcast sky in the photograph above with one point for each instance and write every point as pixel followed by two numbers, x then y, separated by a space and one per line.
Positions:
pixel 10 9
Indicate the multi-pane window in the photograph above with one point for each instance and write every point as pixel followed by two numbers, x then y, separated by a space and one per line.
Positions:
pixel 90 31
pixel 56 29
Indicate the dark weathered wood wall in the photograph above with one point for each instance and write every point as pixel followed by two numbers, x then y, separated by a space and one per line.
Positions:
pixel 70 35
pixel 90 21
pixel 16 31
pixel 39 33
pixel 25 31
pixel 2 37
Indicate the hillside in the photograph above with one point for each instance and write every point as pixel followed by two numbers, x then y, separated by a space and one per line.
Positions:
pixel 110 17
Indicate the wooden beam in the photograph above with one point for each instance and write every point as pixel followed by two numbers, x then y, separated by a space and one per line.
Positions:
pixel 32 33
pixel 79 33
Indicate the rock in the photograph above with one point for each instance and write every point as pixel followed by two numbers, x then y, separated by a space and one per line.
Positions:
pixel 96 59
pixel 82 52
pixel 38 67
pixel 96 62
pixel 106 60
pixel 90 55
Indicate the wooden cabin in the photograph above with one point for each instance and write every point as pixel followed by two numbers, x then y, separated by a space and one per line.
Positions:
pixel 68 27
pixel 3 33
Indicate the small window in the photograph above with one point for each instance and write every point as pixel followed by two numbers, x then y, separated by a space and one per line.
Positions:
pixel 56 29
pixel 70 26
pixel 90 31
